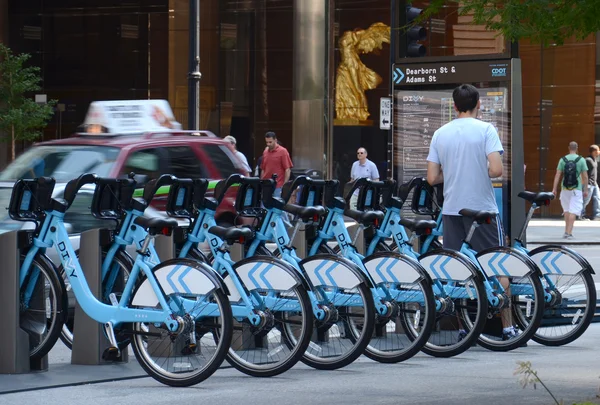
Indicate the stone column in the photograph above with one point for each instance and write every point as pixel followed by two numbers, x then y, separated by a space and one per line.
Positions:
pixel 311 78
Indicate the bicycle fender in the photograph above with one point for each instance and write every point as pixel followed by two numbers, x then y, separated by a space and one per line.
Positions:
pixel 507 262
pixel 556 259
pixel 445 264
pixel 393 267
pixel 333 271
pixel 179 276
pixel 267 273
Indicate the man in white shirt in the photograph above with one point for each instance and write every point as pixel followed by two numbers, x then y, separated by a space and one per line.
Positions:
pixel 362 168
pixel 465 154
pixel 240 155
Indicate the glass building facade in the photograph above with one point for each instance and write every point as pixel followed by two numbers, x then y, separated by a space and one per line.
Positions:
pixel 277 65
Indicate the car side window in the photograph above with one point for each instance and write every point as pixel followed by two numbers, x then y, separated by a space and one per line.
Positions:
pixel 80 217
pixel 222 159
pixel 184 163
pixel 145 162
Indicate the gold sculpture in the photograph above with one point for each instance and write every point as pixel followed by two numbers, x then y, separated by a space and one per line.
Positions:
pixel 353 77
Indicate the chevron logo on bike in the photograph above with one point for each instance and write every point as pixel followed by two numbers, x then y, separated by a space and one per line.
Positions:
pixel 326 272
pixel 262 269
pixel 553 260
pixel 171 280
pixel 442 267
pixel 388 270
pixel 499 263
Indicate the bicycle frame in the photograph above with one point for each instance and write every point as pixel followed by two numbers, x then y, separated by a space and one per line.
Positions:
pixel 224 266
pixel 335 228
pixel 53 233
pixel 391 227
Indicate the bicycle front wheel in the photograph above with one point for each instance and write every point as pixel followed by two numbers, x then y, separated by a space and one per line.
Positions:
pixel 196 352
pixel 43 306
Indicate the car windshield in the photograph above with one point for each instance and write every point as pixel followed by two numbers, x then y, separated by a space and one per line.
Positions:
pixel 64 162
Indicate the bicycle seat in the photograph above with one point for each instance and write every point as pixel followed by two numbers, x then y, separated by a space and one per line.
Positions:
pixel 482 217
pixel 366 218
pixel 418 226
pixel 155 226
pixel 231 234
pixel 542 198
pixel 305 213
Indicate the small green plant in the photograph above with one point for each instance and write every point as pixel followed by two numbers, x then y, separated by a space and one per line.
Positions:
pixel 529 376
pixel 20 116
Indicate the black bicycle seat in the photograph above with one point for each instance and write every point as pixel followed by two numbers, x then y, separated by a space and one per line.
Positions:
pixel 542 198
pixel 305 213
pixel 482 217
pixel 418 226
pixel 231 234
pixel 366 218
pixel 156 225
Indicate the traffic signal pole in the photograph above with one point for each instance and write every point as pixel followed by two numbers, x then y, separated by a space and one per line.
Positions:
pixel 194 74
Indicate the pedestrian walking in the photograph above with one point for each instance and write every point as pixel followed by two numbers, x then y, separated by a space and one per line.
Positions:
pixel 240 155
pixel 593 192
pixel 362 168
pixel 574 186
pixel 276 160
pixel 465 154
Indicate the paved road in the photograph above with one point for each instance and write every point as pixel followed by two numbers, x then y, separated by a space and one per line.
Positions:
pixel 475 377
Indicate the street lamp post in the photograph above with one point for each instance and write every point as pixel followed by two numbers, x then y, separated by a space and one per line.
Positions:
pixel 194 74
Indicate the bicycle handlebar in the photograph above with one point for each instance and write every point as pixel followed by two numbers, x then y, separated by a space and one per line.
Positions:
pixel 153 186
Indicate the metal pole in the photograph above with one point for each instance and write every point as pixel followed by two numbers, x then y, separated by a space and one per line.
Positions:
pixel 194 74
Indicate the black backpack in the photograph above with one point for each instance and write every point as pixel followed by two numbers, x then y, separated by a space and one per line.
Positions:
pixel 570 180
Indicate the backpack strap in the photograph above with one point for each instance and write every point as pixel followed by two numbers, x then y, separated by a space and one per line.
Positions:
pixel 564 158
pixel 578 159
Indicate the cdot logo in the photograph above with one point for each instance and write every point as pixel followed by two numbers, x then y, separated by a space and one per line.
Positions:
pixel 498 72
pixel 412 98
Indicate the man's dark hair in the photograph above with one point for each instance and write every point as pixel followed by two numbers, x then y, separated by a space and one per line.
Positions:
pixel 271 134
pixel 465 97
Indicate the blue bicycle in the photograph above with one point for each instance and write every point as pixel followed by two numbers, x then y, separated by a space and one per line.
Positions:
pixel 401 288
pixel 264 296
pixel 340 294
pixel 512 279
pixel 570 291
pixel 460 296
pixel 174 299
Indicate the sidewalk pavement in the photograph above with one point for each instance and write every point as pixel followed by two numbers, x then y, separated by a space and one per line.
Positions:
pixel 548 231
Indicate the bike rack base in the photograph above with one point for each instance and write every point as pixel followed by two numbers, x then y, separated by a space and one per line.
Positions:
pixel 89 340
pixel 14 356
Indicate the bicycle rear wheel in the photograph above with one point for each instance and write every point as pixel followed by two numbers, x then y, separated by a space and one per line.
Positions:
pixel 190 357
pixel 570 295
pixel 520 307
pixel 43 306
pixel 405 328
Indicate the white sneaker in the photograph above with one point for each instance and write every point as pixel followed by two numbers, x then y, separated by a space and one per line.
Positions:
pixel 570 237
pixel 565 235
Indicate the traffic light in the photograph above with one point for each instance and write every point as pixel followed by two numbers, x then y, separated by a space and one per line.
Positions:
pixel 414 34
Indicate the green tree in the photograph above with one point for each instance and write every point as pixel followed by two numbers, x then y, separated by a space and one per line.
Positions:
pixel 541 21
pixel 21 118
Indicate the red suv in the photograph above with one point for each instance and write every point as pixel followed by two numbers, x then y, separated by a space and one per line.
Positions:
pixel 185 154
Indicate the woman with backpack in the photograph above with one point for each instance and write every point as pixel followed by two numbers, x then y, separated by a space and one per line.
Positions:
pixel 574 187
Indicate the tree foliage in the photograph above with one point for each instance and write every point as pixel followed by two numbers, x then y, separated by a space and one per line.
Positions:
pixel 21 118
pixel 541 21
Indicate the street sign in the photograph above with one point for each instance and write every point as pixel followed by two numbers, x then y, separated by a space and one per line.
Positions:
pixel 419 74
pixel 385 113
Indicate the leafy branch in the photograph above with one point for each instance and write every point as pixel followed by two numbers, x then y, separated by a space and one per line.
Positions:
pixel 541 21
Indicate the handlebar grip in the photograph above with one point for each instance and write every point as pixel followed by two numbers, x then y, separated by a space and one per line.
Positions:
pixel 73 186
pixel 353 185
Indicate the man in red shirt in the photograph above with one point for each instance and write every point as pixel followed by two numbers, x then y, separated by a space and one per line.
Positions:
pixel 276 160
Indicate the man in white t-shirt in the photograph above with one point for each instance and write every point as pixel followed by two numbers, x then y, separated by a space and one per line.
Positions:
pixel 240 155
pixel 465 154
pixel 362 168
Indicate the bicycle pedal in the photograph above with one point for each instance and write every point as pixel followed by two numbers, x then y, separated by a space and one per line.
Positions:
pixel 111 354
pixel 189 349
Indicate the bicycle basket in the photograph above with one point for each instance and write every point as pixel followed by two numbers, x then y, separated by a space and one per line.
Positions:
pixel 30 198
